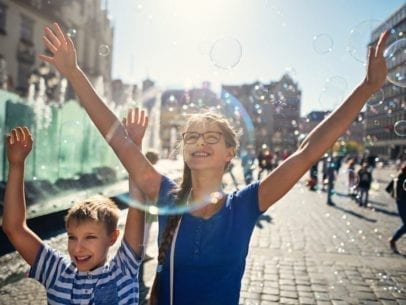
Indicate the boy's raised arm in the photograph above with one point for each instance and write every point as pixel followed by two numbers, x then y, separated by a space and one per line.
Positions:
pixel 26 242
pixel 65 60
pixel 135 123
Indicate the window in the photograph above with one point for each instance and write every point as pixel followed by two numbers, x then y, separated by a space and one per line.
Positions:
pixel 24 70
pixel 3 9
pixel 27 29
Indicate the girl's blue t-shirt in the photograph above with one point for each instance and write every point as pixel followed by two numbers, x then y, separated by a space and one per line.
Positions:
pixel 210 253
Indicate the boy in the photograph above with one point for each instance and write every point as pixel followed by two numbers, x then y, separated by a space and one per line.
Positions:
pixel 86 277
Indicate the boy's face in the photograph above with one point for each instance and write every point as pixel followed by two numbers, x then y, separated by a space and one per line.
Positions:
pixel 88 244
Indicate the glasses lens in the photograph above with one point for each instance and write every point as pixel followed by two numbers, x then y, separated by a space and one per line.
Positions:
pixel 211 137
pixel 190 137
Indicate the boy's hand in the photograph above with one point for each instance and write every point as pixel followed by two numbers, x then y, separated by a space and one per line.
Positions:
pixel 136 123
pixel 62 48
pixel 19 144
pixel 377 70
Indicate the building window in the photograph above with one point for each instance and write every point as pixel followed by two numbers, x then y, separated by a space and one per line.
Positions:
pixel 24 70
pixel 3 9
pixel 27 29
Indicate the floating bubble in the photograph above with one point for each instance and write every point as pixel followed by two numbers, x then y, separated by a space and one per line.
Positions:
pixel 400 128
pixel 104 50
pixel 333 92
pixel 360 37
pixel 395 56
pixel 226 53
pixel 323 43
pixel 260 92
pixel 72 33
pixel 376 99
pixel 172 103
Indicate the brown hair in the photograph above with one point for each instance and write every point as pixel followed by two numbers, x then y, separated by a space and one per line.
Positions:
pixel 181 194
pixel 98 208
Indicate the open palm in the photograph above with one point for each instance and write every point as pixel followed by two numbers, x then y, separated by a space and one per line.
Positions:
pixel 19 144
pixel 136 123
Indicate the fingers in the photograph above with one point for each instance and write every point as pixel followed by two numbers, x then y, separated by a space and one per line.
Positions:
pixel 52 38
pixel 130 116
pixel 70 44
pixel 59 33
pixel 45 58
pixel 49 44
pixel 380 47
pixel 19 134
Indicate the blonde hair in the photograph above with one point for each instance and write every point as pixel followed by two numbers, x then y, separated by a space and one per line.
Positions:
pixel 98 209
pixel 231 140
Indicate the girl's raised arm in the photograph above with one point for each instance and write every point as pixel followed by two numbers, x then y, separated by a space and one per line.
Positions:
pixel 65 61
pixel 323 136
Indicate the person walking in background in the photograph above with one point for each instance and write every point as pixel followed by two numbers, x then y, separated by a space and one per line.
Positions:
pixel 352 179
pixel 202 254
pixel 397 189
pixel 364 184
pixel 331 176
pixel 248 164
pixel 264 161
pixel 87 277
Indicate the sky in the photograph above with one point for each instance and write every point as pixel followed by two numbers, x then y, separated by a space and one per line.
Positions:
pixel 181 43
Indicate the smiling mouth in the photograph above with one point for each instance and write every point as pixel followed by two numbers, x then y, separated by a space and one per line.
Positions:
pixel 200 154
pixel 82 259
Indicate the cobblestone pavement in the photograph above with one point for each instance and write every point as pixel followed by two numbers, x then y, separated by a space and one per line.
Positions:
pixel 302 252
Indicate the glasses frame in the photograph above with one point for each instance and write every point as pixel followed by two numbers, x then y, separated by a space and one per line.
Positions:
pixel 204 135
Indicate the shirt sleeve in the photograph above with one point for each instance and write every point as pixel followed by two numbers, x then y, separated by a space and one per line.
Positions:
pixel 127 260
pixel 48 265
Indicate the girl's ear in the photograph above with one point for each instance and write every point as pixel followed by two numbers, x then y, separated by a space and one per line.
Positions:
pixel 114 235
pixel 230 154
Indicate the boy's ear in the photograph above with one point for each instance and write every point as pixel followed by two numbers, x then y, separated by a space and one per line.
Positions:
pixel 114 235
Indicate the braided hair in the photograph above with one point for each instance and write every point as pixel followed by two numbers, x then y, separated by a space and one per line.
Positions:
pixel 181 194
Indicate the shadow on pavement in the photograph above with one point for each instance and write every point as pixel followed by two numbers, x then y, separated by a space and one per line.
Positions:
pixel 263 218
pixel 354 214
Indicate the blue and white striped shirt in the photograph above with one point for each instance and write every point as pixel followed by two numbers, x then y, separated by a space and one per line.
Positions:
pixel 114 283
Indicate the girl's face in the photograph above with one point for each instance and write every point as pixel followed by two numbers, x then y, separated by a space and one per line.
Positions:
pixel 88 244
pixel 204 146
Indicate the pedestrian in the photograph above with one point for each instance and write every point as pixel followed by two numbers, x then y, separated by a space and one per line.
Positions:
pixel 313 177
pixel 264 161
pixel 352 179
pixel 248 164
pixel 87 277
pixel 397 189
pixel 331 176
pixel 364 184
pixel 201 258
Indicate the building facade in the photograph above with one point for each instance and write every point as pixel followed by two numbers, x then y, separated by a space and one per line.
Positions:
pixel 381 137
pixel 274 110
pixel 22 25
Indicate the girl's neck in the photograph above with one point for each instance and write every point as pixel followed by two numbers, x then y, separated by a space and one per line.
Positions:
pixel 205 184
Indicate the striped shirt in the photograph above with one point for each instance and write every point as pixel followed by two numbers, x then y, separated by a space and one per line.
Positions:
pixel 114 283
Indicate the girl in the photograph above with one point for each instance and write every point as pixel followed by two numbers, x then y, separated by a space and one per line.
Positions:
pixel 206 263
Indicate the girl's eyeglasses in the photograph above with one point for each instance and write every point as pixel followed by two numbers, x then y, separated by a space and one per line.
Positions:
pixel 210 137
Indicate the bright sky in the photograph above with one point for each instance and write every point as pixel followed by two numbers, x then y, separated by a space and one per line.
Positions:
pixel 181 43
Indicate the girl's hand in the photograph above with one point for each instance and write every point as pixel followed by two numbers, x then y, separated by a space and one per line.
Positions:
pixel 19 144
pixel 136 123
pixel 62 48
pixel 377 70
